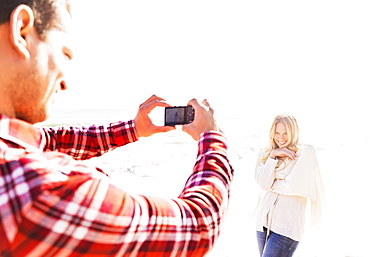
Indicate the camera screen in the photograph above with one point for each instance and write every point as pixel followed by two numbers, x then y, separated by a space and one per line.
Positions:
pixel 175 115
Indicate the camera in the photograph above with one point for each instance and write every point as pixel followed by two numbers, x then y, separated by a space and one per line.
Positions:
pixel 178 115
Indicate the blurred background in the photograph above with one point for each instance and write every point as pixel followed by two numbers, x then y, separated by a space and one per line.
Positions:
pixel 252 60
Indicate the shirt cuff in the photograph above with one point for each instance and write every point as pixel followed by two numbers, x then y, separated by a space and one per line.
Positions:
pixel 133 127
pixel 212 140
pixel 270 162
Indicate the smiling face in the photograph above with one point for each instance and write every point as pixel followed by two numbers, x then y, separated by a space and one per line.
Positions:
pixel 284 133
pixel 281 136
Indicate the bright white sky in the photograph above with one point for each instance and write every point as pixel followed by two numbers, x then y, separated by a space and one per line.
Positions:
pixel 255 59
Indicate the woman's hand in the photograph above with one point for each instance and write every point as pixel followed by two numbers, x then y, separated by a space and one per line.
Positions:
pixel 283 152
pixel 144 125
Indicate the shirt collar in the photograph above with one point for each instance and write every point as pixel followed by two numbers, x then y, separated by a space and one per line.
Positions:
pixel 20 132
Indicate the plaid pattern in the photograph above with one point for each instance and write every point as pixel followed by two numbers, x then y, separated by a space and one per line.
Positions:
pixel 85 143
pixel 52 205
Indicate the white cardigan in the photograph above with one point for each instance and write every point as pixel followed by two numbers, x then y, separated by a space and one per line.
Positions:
pixel 282 205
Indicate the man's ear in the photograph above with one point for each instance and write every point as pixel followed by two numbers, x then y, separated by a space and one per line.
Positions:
pixel 21 24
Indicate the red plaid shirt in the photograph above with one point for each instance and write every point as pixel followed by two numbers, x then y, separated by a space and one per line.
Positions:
pixel 52 205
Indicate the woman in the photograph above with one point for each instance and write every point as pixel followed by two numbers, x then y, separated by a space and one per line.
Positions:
pixel 288 174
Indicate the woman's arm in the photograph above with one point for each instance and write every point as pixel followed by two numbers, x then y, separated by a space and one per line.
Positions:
pixel 265 173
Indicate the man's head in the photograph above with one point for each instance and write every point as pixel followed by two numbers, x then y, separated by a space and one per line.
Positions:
pixel 34 50
pixel 45 12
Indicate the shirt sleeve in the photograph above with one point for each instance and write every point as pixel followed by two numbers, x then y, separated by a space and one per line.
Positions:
pixel 301 178
pixel 84 143
pixel 86 214
pixel 265 173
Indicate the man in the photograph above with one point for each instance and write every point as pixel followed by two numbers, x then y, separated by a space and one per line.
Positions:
pixel 52 205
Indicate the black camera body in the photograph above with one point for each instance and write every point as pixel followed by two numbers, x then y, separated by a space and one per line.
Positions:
pixel 178 115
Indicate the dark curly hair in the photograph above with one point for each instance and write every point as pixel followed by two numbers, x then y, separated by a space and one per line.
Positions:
pixel 45 11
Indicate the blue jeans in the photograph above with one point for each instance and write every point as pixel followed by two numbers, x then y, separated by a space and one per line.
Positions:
pixel 276 245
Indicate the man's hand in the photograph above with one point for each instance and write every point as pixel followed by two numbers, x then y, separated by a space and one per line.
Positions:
pixel 204 120
pixel 144 125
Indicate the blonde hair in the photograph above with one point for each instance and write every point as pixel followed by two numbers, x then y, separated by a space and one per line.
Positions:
pixel 291 126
